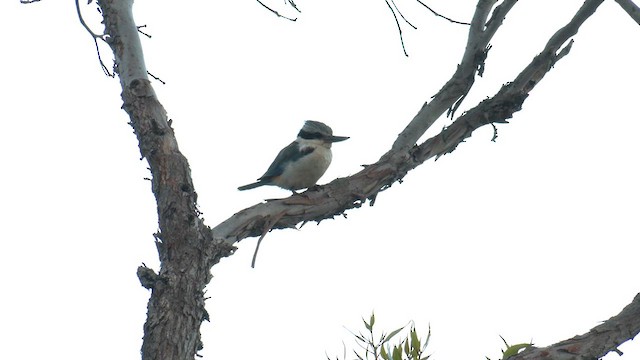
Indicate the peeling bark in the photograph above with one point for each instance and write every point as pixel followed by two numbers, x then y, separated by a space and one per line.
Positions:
pixel 594 344
pixel 185 245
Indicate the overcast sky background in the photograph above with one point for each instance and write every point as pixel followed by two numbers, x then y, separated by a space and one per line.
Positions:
pixel 533 237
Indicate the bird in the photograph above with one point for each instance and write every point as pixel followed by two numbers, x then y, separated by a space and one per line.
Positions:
pixel 301 164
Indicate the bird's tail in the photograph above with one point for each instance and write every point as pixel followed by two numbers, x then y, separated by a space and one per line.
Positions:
pixel 251 186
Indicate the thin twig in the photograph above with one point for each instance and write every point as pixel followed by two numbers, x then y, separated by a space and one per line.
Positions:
pixel 442 16
pixel 84 24
pixel 267 228
pixel 28 1
pixel 398 25
pixel 142 32
pixel 402 16
pixel 102 64
pixel 95 39
pixel 293 5
pixel 156 78
pixel 495 132
pixel 277 13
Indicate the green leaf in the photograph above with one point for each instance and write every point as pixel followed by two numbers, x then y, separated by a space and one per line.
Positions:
pixel 392 334
pixel 426 341
pixel 368 326
pixel 514 350
pixel 406 347
pixel 415 342
pixel 397 353
pixel 372 319
pixel 415 354
pixel 384 354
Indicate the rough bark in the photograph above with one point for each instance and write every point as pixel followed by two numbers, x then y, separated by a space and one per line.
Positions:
pixel 594 344
pixel 185 245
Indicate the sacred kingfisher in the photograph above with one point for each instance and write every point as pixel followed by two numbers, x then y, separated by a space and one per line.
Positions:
pixel 303 162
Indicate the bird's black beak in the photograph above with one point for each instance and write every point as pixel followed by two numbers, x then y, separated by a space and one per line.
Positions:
pixel 337 138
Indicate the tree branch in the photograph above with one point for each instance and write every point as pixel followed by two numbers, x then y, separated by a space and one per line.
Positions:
pixel 95 39
pixel 455 90
pixel 395 17
pixel 594 344
pixel 442 16
pixel 631 8
pixel 394 9
pixel 277 13
pixel 185 246
pixel 347 193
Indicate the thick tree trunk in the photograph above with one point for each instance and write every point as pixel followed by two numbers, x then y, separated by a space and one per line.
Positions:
pixel 185 245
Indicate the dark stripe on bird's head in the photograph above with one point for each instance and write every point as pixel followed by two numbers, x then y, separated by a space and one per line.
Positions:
pixel 310 135
pixel 315 130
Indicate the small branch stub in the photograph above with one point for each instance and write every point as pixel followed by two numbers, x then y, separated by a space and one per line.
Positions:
pixel 148 278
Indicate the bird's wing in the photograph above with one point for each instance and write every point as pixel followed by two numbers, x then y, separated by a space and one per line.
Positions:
pixel 287 155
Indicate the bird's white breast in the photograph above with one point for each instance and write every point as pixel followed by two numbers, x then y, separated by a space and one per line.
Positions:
pixel 306 171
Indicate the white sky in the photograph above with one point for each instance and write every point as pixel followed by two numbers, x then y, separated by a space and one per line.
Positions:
pixel 532 237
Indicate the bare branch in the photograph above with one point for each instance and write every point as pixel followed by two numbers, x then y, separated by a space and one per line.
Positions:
pixel 394 9
pixel 293 5
pixel 631 8
pixel 401 15
pixel 482 33
pixel 509 99
pixel 277 13
pixel 95 39
pixel 142 32
pixel 347 193
pixel 594 344
pixel 398 25
pixel 156 78
pixel 456 89
pixel 442 16
pixel 84 24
